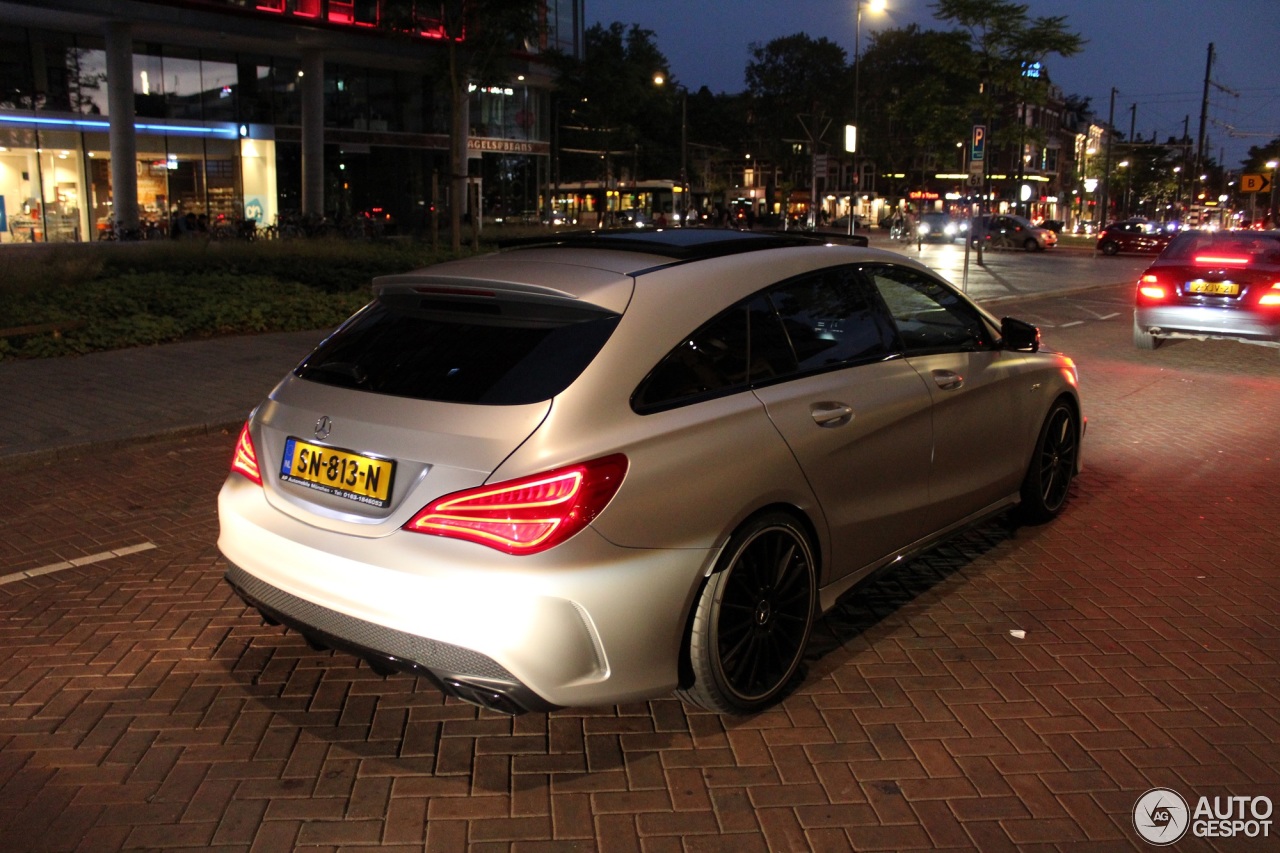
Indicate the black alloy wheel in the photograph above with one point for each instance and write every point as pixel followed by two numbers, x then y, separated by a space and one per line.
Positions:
pixel 1053 465
pixel 753 617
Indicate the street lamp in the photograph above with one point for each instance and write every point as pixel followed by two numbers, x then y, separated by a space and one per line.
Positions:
pixel 660 79
pixel 1128 181
pixel 877 6
pixel 1177 171
pixel 1273 165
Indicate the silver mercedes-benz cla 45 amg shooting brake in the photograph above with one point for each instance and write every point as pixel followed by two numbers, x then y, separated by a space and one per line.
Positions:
pixel 610 466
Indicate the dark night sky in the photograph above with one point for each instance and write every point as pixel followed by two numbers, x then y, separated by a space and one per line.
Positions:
pixel 1152 51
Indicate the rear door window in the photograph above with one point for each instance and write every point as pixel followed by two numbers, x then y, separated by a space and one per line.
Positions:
pixel 820 321
pixel 480 350
pixel 712 361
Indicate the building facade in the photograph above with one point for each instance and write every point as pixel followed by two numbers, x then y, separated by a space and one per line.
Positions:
pixel 144 111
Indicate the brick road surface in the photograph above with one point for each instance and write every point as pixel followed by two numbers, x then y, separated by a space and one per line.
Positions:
pixel 142 707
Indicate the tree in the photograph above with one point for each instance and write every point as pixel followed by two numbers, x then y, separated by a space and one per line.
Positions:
pixel 482 37
pixel 1006 44
pixel 609 109
pixel 913 115
pixel 793 77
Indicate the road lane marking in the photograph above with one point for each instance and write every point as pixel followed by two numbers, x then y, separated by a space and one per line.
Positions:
pixel 78 561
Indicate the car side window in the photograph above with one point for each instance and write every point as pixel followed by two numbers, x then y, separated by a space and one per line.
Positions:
pixel 831 320
pixel 818 321
pixel 709 362
pixel 929 315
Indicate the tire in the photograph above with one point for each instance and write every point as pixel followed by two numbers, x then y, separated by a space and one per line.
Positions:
pixel 1053 465
pixel 1031 244
pixel 753 618
pixel 1110 247
pixel 1142 339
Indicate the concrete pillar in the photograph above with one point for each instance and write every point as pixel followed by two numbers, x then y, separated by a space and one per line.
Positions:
pixel 124 143
pixel 313 132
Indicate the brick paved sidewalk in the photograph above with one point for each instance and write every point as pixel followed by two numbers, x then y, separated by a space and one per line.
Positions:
pixel 64 406
pixel 143 708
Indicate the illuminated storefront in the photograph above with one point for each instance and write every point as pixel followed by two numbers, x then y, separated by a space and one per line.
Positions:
pixel 224 131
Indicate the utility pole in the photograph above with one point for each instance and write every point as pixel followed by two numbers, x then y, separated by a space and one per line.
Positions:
pixel 1204 117
pixel 1128 173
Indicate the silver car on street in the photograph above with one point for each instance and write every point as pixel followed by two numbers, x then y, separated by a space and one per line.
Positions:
pixel 1211 285
pixel 615 465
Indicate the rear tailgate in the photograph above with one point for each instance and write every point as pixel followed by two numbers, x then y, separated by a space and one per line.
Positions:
pixel 364 463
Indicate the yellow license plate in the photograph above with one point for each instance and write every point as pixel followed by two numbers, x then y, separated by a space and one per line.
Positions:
pixel 338 472
pixel 1217 288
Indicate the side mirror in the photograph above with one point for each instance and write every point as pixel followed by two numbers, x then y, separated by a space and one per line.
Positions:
pixel 1020 336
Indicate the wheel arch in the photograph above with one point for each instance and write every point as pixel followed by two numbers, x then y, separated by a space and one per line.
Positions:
pixel 715 565
pixel 802 517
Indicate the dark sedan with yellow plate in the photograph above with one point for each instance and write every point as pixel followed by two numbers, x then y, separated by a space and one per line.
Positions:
pixel 1212 284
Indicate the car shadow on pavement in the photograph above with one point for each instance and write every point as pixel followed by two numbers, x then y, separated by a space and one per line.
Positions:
pixel 866 614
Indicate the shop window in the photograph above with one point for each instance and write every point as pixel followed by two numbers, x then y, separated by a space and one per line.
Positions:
pixel 340 12
pixel 223 187
pixel 41 188
pixel 254 88
pixel 184 86
pixel 17 86
pixel 64 76
pixel 346 97
pixel 385 109
pixel 220 88
pixel 148 83
pixel 286 88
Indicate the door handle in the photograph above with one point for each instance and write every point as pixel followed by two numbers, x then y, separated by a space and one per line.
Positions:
pixel 831 414
pixel 948 380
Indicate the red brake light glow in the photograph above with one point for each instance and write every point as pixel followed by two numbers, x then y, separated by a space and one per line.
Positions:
pixel 1149 287
pixel 527 515
pixel 1272 296
pixel 1222 260
pixel 244 459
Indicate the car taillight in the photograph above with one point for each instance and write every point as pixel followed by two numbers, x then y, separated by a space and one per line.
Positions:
pixel 527 515
pixel 1150 288
pixel 244 459
pixel 1272 296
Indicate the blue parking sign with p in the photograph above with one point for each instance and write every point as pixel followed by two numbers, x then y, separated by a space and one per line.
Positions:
pixel 978 148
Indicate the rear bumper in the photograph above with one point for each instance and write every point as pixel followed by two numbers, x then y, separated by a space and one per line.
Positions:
pixel 587 623
pixel 455 671
pixel 1204 322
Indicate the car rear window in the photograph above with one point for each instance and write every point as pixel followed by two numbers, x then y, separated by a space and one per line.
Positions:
pixel 480 350
pixel 1255 247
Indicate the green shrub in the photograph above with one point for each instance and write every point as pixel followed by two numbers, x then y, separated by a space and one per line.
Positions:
pixel 102 296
